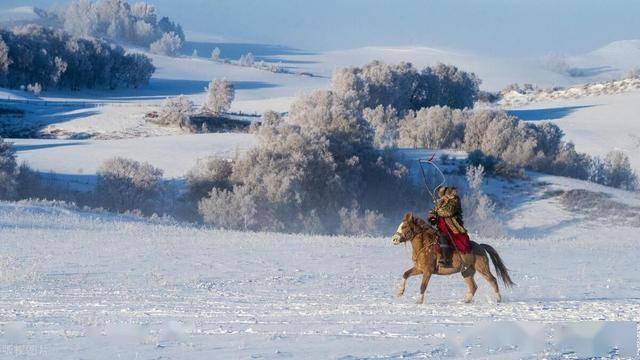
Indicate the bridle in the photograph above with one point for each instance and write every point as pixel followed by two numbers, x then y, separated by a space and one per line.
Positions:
pixel 408 235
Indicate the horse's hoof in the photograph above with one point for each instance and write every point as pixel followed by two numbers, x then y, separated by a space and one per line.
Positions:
pixel 498 298
pixel 399 293
pixel 420 300
pixel 468 298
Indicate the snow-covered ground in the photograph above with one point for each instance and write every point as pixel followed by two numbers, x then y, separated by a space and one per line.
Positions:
pixel 88 285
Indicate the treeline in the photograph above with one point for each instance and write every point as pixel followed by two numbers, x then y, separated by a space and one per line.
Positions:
pixel 52 58
pixel 117 20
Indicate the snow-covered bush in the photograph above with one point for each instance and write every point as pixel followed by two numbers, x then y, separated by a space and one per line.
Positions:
pixel 215 54
pixel 169 44
pixel 8 170
pixel 175 112
pixel 433 128
pixel 28 183
pixel 125 184
pixel 353 222
pixel 304 170
pixel 618 171
pixel 219 96
pixel 36 89
pixel 479 210
pixel 208 174
pixel 53 58
pixel 235 209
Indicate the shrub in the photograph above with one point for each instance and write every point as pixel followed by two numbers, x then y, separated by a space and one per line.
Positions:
pixel 209 174
pixel 478 207
pixel 125 184
pixel 304 170
pixel 618 172
pixel 8 170
pixel 169 44
pixel 175 112
pixel 220 95
pixel 352 222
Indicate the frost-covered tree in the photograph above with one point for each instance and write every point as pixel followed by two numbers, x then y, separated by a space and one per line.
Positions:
pixel 446 85
pixel 36 89
pixel 219 96
pixel 246 60
pixel 8 170
pixel 175 112
pixel 125 184
pixel 117 20
pixel 433 128
pixel 5 61
pixel 215 54
pixel 53 58
pixel 80 18
pixel 385 123
pixel 404 87
pixel 169 44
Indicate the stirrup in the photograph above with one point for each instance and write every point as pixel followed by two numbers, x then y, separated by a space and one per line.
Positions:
pixel 444 263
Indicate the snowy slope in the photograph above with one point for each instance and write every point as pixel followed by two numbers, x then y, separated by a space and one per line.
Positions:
pixel 173 154
pixel 91 285
pixel 596 124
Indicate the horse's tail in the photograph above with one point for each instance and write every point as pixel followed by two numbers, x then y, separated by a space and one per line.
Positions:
pixel 501 269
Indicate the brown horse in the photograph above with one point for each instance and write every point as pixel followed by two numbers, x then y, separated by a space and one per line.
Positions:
pixel 424 238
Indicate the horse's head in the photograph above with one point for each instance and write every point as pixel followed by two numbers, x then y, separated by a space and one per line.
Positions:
pixel 406 230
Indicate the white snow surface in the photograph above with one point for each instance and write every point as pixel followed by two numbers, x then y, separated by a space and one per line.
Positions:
pixel 79 284
pixel 595 124
pixel 173 154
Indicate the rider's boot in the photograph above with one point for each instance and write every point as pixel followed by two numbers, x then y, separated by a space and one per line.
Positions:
pixel 445 252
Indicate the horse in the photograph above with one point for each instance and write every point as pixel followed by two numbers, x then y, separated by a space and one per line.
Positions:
pixel 424 240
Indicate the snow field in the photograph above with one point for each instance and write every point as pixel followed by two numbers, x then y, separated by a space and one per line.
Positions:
pixel 84 284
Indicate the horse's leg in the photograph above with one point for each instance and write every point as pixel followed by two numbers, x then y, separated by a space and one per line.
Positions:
pixel 411 272
pixel 482 266
pixel 423 286
pixel 471 284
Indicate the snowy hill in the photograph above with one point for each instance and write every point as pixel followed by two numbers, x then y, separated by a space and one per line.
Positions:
pixel 18 15
pixel 93 285
pixel 596 124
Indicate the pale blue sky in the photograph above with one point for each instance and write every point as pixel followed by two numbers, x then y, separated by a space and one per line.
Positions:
pixel 504 27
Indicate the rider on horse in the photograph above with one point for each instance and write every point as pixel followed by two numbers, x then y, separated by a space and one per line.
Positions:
pixel 447 217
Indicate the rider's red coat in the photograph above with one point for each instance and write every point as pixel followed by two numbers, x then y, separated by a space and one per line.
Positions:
pixel 459 240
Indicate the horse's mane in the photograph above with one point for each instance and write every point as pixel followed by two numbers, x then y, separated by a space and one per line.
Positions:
pixel 423 226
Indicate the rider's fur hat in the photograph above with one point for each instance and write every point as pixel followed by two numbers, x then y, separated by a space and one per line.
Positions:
pixel 441 191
